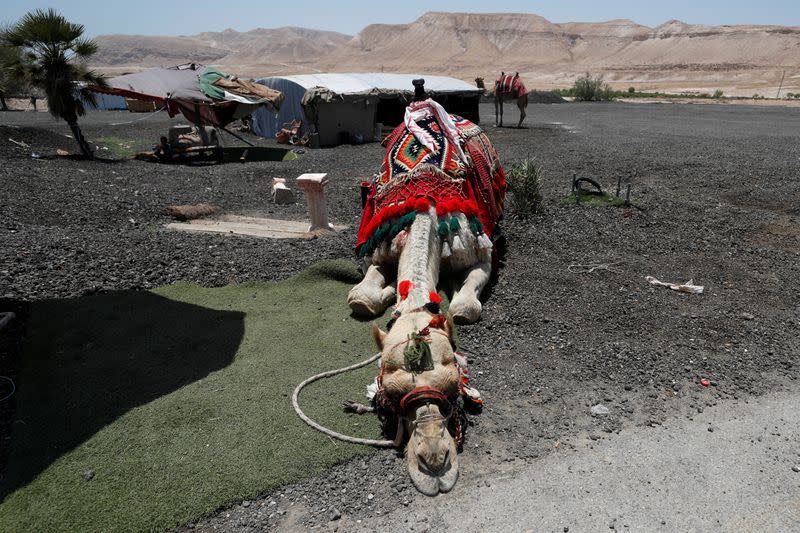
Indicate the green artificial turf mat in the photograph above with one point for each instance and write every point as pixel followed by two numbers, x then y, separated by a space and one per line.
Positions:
pixel 179 400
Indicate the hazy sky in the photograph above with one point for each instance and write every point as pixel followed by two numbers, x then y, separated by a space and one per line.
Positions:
pixel 182 17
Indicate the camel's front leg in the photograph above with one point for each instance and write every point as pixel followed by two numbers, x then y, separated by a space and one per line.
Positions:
pixel 374 294
pixel 498 104
pixel 496 115
pixel 465 307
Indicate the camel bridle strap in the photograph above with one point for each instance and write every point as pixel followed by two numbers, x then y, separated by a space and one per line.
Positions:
pixel 423 395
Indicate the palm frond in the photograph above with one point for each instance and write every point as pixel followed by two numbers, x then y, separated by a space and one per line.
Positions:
pixel 84 48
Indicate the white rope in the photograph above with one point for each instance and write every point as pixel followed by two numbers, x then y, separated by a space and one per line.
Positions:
pixel 346 438
pixel 159 110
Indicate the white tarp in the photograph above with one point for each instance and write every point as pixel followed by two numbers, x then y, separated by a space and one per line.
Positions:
pixel 356 83
pixel 349 87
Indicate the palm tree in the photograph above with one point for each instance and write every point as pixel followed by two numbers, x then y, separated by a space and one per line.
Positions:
pixel 8 56
pixel 52 52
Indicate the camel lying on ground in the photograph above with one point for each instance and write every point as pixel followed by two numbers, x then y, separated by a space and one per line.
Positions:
pixel 507 88
pixel 432 209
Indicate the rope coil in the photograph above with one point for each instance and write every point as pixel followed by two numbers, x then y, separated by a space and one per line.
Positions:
pixel 346 438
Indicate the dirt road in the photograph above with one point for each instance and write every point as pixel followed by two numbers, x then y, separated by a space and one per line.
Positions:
pixel 732 468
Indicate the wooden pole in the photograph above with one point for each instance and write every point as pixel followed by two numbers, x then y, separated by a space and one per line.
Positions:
pixel 781 84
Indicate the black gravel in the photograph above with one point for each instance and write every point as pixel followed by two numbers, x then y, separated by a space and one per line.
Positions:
pixel 715 193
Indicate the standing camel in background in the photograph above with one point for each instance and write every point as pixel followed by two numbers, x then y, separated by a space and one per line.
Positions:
pixel 508 87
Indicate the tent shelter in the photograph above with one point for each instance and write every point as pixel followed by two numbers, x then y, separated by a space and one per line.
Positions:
pixel 107 102
pixel 343 108
pixel 205 96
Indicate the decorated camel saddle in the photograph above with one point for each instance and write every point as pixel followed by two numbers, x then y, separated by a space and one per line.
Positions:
pixel 433 208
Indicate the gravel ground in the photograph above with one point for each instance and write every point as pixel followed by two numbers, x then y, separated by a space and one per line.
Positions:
pixel 715 193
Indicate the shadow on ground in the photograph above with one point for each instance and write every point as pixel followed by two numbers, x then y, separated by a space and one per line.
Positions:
pixel 94 358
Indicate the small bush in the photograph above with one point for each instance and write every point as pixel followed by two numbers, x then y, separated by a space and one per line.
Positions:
pixel 631 90
pixel 589 89
pixel 524 183
pixel 718 93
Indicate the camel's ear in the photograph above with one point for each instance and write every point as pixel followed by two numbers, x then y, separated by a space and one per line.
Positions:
pixel 379 335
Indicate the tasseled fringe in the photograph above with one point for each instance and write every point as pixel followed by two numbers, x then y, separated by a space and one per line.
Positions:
pixel 484 242
pixel 458 246
pixel 387 232
pixel 446 253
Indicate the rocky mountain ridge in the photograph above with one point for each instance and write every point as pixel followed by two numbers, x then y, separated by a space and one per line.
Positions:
pixel 672 56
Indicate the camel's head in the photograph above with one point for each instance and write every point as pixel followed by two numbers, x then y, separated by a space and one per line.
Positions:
pixel 423 389
pixel 431 451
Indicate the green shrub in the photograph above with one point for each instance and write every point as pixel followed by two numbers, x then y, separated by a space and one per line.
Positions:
pixel 718 93
pixel 524 181
pixel 589 89
pixel 631 90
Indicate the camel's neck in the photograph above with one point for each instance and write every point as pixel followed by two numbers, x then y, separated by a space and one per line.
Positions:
pixel 419 261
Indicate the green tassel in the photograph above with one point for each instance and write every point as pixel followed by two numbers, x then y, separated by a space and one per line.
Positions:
pixel 475 225
pixel 454 224
pixel 443 229
pixel 417 354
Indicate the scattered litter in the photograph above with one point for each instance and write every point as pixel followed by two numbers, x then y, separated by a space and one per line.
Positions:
pixel 20 143
pixel 591 267
pixel 34 155
pixel 88 475
pixel 600 410
pixel 61 152
pixel 281 194
pixel 747 316
pixel 704 382
pixel 688 287
pixel 796 468
pixel 82 171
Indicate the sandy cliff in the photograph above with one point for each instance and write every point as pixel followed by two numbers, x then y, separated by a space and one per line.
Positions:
pixel 673 56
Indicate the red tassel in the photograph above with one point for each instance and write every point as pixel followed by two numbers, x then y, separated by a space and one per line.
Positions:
pixel 422 205
pixel 403 287
pixel 437 322
pixel 434 297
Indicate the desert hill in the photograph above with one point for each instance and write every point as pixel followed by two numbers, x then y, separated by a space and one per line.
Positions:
pixel 673 56
pixel 259 51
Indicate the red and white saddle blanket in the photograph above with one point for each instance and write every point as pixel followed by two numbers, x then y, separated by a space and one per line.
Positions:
pixel 434 160
pixel 510 84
